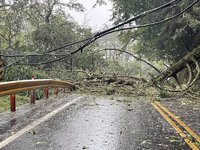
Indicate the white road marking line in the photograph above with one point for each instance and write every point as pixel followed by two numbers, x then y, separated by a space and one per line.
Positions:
pixel 36 123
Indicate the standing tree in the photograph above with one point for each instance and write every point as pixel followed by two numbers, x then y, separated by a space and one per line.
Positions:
pixel 170 40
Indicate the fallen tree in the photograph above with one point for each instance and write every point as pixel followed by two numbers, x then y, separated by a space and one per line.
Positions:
pixel 190 58
pixel 113 84
pixel 190 62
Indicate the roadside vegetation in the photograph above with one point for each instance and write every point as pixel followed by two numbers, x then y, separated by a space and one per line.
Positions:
pixel 5 102
pixel 158 60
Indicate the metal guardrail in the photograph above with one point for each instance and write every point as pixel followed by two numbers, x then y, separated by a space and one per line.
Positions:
pixel 13 87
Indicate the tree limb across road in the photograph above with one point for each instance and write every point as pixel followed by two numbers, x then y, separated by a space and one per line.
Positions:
pixel 180 65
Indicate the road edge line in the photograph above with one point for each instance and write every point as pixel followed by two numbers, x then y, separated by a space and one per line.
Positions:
pixel 36 123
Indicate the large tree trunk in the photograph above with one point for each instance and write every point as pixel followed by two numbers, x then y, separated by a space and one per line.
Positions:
pixel 179 66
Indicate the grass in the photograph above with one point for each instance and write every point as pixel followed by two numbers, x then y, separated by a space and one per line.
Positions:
pixel 21 99
pixel 5 102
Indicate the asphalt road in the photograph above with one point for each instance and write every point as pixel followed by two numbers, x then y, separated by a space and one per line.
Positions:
pixel 95 123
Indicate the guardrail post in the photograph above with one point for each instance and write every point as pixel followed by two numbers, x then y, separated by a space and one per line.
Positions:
pixel 33 97
pixel 56 91
pixel 46 93
pixel 12 103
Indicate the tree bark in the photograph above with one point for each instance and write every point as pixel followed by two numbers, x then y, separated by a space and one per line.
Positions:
pixel 179 66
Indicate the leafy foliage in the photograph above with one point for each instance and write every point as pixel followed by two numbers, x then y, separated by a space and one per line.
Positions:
pixel 33 27
pixel 169 41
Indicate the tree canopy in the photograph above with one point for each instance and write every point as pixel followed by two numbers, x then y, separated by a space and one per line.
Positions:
pixel 168 41
pixel 43 35
pixel 29 28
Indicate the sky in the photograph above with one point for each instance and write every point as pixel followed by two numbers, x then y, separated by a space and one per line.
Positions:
pixel 96 17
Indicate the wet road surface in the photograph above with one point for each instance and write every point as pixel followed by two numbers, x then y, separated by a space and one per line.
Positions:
pixel 186 109
pixel 99 123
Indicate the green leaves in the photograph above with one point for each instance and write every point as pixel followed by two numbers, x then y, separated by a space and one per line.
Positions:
pixel 172 40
